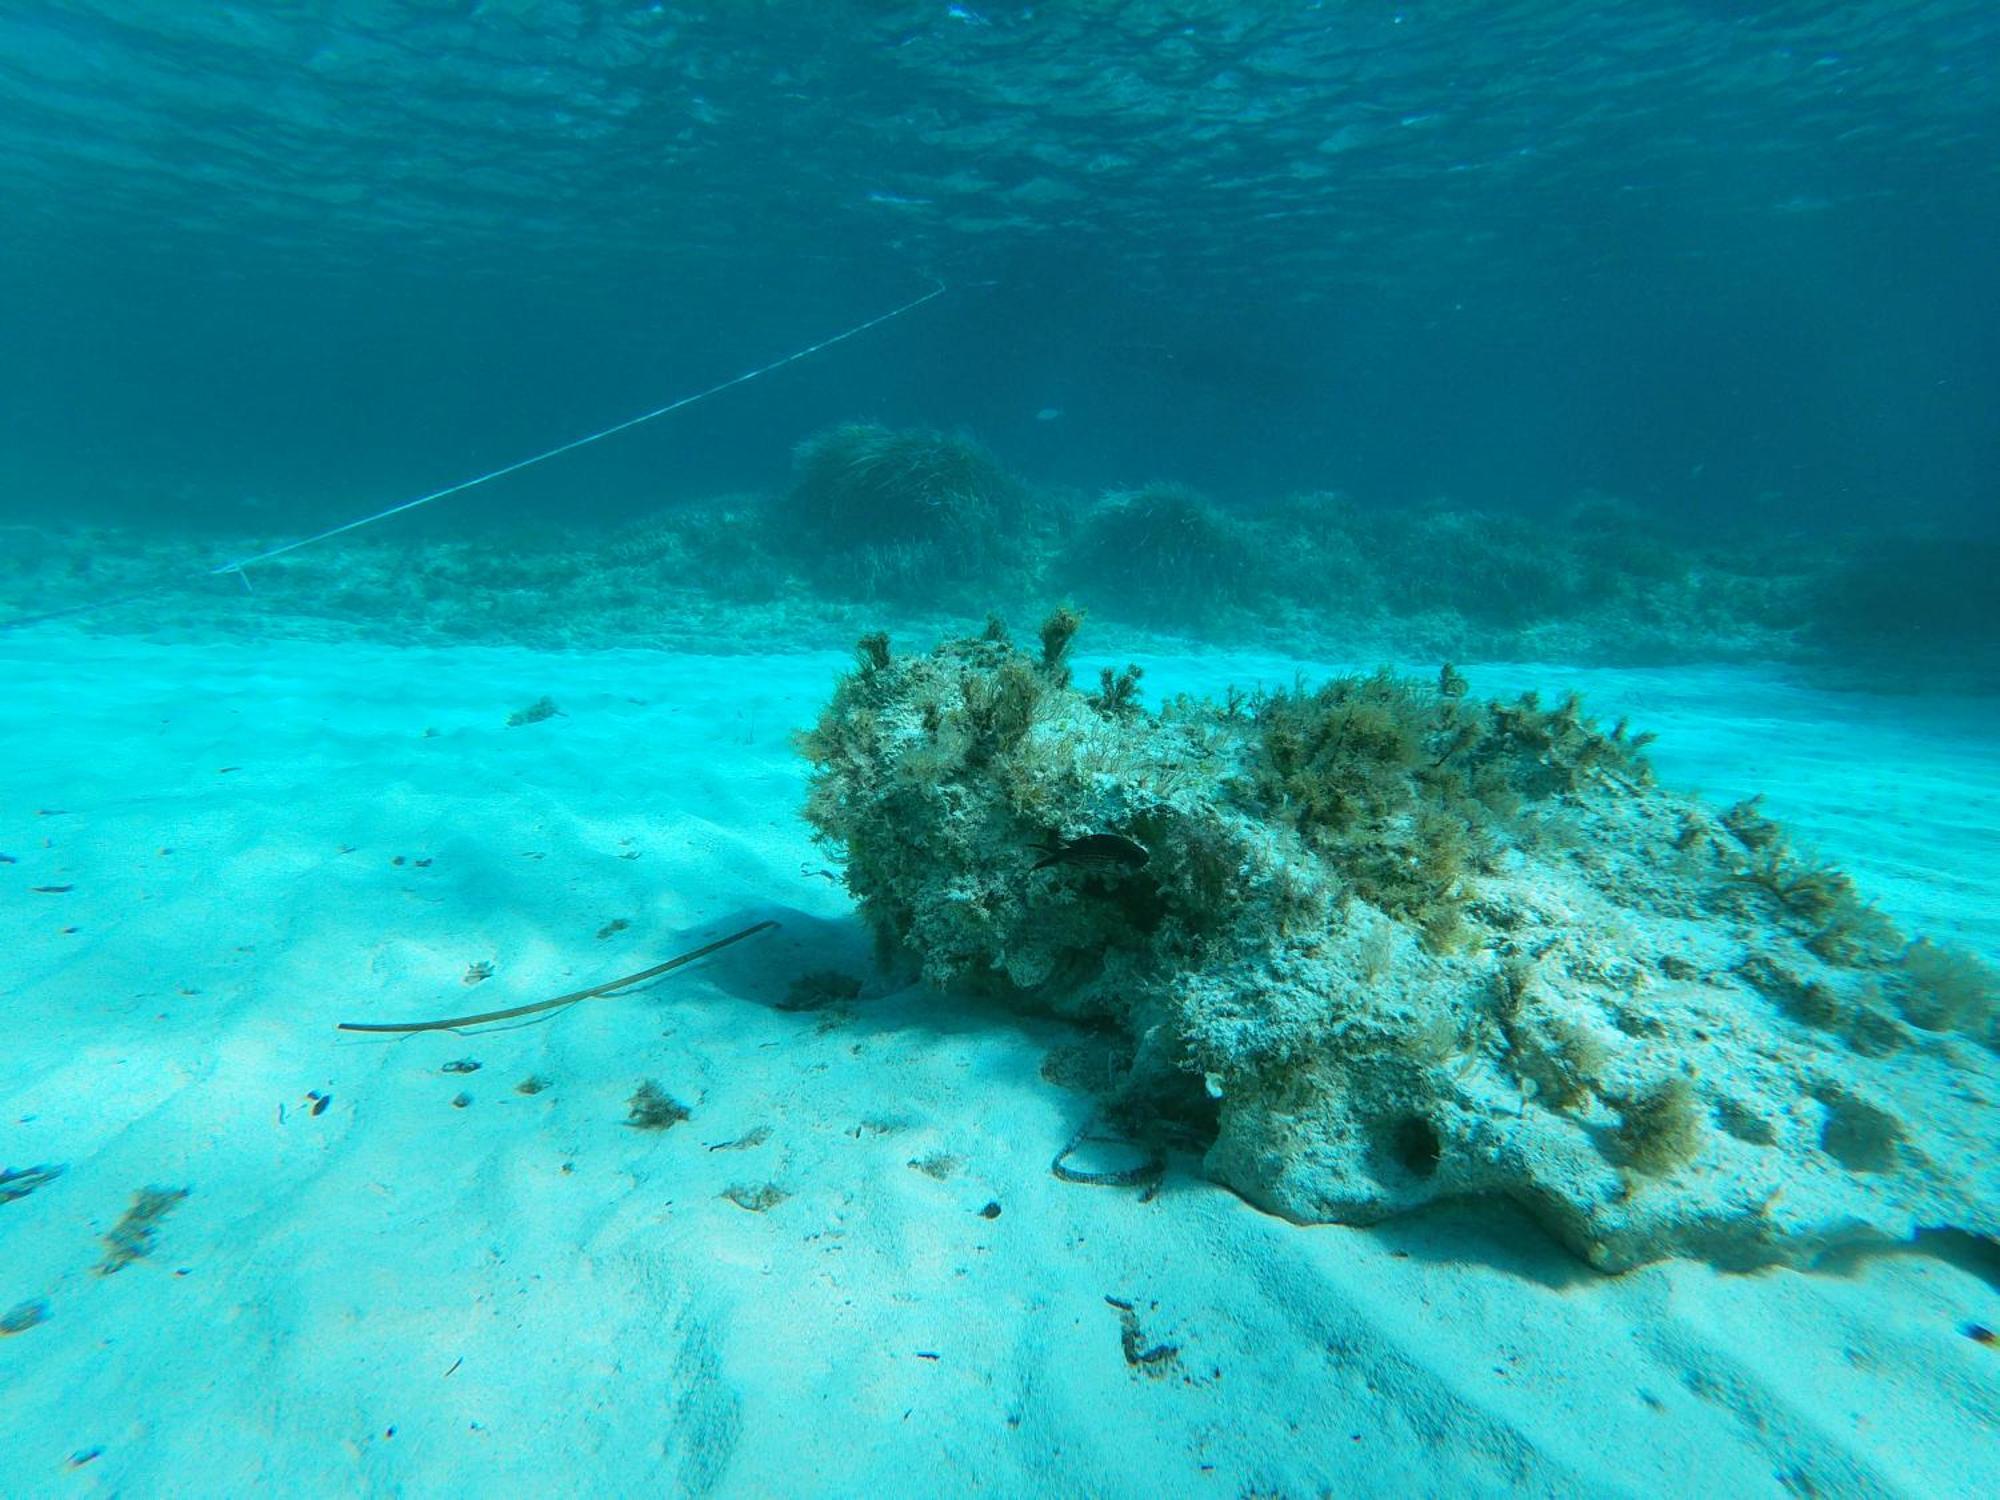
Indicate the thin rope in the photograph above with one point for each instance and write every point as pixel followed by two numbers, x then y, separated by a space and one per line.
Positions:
pixel 239 564
pixel 595 992
pixel 570 447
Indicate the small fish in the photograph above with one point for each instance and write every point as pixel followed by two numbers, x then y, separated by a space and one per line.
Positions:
pixel 1103 853
pixel 50 890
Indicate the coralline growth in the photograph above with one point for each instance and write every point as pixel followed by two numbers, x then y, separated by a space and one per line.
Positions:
pixel 1394 944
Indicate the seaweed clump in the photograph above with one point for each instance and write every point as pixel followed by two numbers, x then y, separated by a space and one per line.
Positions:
pixel 1117 694
pixel 1911 601
pixel 1935 987
pixel 652 1108
pixel 1163 554
pixel 1405 788
pixel 1947 989
pixel 1844 928
pixel 896 514
pixel 1058 630
pixel 132 1237
pixel 1659 1127
pixel 1813 899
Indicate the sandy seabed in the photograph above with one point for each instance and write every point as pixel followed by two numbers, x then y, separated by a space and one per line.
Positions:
pixel 850 1269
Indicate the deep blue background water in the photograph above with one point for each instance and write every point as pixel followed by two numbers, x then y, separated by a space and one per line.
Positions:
pixel 287 262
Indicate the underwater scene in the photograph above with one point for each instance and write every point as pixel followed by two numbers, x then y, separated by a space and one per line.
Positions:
pixel 1097 748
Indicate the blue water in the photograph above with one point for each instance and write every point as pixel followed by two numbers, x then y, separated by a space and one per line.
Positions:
pixel 1652 348
pixel 1710 258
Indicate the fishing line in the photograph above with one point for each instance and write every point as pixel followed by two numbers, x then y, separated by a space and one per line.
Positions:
pixel 238 565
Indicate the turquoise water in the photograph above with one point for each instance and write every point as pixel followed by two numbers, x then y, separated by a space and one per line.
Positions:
pixel 365 664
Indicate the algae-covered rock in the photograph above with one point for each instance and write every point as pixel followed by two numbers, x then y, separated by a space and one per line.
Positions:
pixel 1380 943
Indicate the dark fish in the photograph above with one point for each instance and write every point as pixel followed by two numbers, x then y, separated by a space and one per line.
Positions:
pixel 1104 853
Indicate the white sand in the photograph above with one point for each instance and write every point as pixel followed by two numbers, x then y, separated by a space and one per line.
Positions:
pixel 527 1296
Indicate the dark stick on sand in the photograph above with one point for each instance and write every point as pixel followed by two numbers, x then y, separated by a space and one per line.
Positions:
pixel 452 1023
